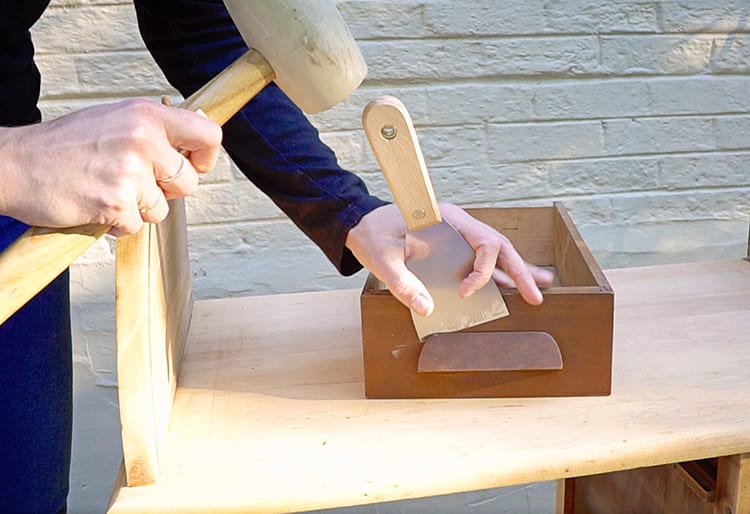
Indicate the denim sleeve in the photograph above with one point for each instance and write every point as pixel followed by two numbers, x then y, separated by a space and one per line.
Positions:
pixel 270 140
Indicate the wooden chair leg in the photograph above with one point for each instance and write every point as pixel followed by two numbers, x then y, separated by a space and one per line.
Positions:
pixel 733 485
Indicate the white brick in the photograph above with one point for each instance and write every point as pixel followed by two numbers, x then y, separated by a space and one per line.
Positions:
pixel 684 205
pixel 456 104
pixel 706 16
pixel 706 170
pixel 658 135
pixel 602 176
pixel 699 95
pixel 350 147
pixel 85 3
pixel 731 53
pixel 656 54
pixel 87 29
pixel 484 18
pixel 591 99
pixel 229 202
pixel 441 146
pixel 453 146
pixel 253 258
pixel 348 114
pixel 592 211
pixel 97 319
pixel 224 171
pixel 440 60
pixel 127 73
pixel 482 185
pixel 371 19
pixel 576 16
pixel 544 141
pixel 733 132
pixel 445 104
pixel 412 19
pixel 643 208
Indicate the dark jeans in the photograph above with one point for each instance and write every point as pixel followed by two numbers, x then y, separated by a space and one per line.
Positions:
pixel 36 381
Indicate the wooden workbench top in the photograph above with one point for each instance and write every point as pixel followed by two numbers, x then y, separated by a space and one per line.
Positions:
pixel 270 413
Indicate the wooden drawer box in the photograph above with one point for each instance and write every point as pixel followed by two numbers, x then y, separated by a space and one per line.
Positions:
pixel 577 313
pixel 682 488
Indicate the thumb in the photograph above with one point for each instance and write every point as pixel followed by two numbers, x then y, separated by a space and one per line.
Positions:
pixel 409 290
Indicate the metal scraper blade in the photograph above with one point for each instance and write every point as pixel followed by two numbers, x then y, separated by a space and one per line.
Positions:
pixel 441 258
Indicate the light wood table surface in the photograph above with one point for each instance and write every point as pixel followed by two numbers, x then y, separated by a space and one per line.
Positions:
pixel 270 415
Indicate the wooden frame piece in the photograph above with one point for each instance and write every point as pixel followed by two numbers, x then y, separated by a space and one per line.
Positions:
pixel 577 313
pixel 153 308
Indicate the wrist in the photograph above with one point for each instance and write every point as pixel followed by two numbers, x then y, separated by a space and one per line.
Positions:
pixel 13 192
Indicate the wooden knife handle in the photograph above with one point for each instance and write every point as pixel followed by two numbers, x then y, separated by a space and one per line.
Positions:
pixel 391 134
pixel 41 254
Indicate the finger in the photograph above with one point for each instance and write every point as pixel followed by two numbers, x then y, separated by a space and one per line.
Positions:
pixel 409 290
pixel 484 264
pixel 512 264
pixel 196 134
pixel 542 277
pixel 156 209
pixel 177 180
pixel 129 222
pixel 502 279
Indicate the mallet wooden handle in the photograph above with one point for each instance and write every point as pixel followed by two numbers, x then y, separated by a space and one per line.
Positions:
pixel 41 254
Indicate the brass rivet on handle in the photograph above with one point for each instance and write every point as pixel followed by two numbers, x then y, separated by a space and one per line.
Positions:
pixel 419 214
pixel 388 132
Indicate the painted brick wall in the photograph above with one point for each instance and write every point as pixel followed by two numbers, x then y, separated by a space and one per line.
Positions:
pixel 635 113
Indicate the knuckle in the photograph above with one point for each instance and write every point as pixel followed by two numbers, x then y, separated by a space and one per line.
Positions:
pixel 126 164
pixel 136 123
pixel 116 199
pixel 139 107
pixel 214 134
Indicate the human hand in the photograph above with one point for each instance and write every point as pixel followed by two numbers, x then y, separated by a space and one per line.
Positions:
pixel 113 165
pixel 377 241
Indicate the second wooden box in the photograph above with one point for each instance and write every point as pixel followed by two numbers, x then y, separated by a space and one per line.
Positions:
pixel 576 318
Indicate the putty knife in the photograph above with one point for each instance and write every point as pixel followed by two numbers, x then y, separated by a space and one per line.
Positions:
pixel 435 252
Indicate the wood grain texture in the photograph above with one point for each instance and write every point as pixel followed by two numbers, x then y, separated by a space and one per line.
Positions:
pixel 34 260
pixel 530 229
pixel 153 308
pixel 394 142
pixel 228 92
pixel 733 484
pixel 574 262
pixel 270 414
